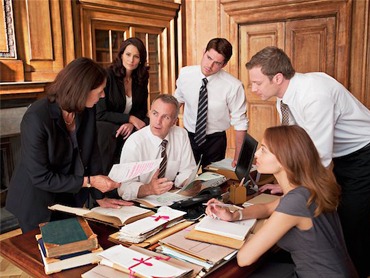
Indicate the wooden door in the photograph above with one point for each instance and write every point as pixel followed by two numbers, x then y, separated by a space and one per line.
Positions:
pixel 310 43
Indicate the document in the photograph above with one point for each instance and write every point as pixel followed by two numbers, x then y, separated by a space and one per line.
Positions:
pixel 126 171
pixel 139 264
pixel 237 230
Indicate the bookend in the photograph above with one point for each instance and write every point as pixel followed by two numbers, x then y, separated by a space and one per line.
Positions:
pixel 194 207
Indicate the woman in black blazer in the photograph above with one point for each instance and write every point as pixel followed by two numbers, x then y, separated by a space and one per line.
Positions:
pixel 125 107
pixel 59 154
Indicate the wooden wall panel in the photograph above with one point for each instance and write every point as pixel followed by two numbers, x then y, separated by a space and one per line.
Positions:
pixel 3 44
pixel 310 44
pixel 39 29
pixel 254 37
pixel 44 34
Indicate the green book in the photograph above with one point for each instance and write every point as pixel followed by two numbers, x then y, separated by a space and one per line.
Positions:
pixel 67 236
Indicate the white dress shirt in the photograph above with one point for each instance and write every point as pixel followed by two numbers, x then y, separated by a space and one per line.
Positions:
pixel 143 145
pixel 336 121
pixel 226 100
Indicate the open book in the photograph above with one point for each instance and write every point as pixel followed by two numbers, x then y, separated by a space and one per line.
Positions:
pixel 111 216
pixel 203 181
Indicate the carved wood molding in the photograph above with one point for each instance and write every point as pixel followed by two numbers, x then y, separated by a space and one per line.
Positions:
pixel 235 13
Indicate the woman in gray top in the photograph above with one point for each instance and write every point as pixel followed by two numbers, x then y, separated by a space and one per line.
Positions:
pixel 304 221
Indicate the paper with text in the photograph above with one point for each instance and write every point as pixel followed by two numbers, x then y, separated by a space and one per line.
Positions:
pixel 126 171
pixel 140 264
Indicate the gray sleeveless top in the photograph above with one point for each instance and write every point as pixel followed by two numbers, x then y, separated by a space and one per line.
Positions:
pixel 321 250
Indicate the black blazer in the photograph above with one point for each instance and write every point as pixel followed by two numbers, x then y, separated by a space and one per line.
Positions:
pixel 111 108
pixel 48 166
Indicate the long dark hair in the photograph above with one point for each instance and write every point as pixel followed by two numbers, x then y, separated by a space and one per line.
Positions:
pixel 72 85
pixel 141 74
pixel 300 159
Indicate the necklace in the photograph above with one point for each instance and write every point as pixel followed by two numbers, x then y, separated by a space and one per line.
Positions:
pixel 72 120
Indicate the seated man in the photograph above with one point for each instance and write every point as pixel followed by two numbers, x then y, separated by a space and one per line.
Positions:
pixel 146 144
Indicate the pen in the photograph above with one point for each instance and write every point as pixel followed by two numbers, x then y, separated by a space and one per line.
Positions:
pixel 219 205
pixel 242 182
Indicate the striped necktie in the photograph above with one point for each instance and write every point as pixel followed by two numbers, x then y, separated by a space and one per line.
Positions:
pixel 201 126
pixel 284 113
pixel 162 166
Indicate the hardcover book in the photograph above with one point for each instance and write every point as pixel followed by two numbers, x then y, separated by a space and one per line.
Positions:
pixel 67 236
pixel 53 265
pixel 229 234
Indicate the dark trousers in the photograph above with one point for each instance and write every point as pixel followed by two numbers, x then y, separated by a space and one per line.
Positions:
pixel 214 149
pixel 353 174
pixel 110 147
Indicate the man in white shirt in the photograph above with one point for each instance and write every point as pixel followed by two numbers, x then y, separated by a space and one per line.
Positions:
pixel 226 102
pixel 145 144
pixel 338 124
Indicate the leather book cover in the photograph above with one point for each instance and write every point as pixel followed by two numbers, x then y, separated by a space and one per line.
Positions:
pixel 67 236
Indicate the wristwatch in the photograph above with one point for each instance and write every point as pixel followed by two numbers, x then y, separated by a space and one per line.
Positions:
pixel 88 185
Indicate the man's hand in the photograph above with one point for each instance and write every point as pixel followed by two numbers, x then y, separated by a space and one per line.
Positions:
pixel 113 203
pixel 157 186
pixel 273 188
pixel 103 183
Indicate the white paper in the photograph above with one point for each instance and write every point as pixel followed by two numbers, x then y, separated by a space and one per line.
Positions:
pixel 126 171
pixel 237 230
pixel 223 164
pixel 165 199
pixel 139 263
pixel 144 225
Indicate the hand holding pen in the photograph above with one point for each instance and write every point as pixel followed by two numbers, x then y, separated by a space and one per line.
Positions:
pixel 218 210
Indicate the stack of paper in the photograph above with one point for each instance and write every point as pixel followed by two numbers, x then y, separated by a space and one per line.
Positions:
pixel 139 264
pixel 104 271
pixel 230 234
pixel 206 255
pixel 140 230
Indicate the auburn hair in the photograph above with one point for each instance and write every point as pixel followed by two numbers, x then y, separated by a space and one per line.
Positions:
pixel 297 154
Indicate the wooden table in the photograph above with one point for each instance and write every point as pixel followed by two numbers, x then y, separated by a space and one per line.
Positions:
pixel 22 251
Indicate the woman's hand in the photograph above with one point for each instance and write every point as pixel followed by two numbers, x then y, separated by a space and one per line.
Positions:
pixel 103 183
pixel 218 212
pixel 113 203
pixel 273 188
pixel 125 130
pixel 138 124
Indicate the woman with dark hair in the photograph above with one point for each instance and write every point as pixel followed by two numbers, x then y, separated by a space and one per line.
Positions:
pixel 125 107
pixel 60 161
pixel 304 221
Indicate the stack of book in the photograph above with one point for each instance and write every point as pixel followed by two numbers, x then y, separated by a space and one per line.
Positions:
pixel 229 234
pixel 208 256
pixel 66 244
pixel 120 261
pixel 144 228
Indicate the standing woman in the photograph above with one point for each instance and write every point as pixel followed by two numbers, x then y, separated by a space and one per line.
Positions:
pixel 125 107
pixel 304 221
pixel 60 160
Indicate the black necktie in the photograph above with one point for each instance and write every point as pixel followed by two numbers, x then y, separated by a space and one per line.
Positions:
pixel 162 166
pixel 201 127
pixel 284 113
